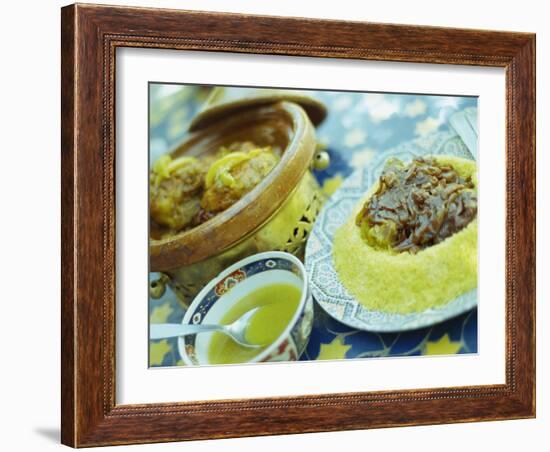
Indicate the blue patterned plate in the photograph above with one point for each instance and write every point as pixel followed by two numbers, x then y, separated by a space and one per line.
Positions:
pixel 327 289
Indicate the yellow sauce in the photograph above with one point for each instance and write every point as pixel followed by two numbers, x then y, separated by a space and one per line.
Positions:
pixel 278 304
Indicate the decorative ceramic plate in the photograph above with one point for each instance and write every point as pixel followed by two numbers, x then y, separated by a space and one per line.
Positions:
pixel 327 289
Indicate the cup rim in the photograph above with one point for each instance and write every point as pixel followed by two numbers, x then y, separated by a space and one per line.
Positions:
pixel 206 289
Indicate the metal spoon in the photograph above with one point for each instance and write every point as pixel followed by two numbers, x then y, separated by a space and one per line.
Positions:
pixel 235 330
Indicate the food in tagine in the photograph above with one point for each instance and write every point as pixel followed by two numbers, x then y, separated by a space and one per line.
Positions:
pixel 187 191
pixel 411 242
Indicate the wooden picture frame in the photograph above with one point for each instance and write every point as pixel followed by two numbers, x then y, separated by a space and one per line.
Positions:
pixel 90 36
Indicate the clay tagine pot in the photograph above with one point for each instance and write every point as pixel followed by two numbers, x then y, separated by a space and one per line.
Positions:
pixel 277 215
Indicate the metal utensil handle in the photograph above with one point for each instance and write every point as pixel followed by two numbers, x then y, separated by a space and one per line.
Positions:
pixel 166 330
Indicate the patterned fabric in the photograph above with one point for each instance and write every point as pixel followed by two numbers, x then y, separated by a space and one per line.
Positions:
pixel 358 128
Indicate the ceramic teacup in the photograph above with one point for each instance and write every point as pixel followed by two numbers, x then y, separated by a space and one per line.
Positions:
pixel 237 281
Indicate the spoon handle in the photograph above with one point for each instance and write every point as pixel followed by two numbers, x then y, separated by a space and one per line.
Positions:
pixel 166 330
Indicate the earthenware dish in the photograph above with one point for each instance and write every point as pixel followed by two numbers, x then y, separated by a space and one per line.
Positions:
pixel 276 215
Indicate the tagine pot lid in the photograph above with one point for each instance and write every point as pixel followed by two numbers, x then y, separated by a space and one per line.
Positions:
pixel 225 101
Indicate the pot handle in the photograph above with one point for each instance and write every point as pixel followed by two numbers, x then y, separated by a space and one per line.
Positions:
pixel 157 287
pixel 321 158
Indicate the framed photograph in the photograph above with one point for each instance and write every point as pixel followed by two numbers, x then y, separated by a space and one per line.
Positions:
pixel 282 225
